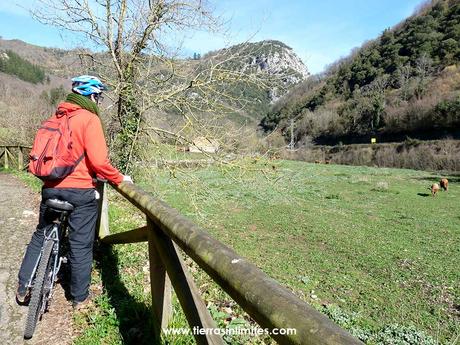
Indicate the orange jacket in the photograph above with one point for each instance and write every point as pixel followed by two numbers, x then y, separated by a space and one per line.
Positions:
pixel 88 138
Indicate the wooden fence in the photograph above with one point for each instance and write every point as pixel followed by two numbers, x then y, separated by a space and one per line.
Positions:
pixel 265 300
pixel 12 156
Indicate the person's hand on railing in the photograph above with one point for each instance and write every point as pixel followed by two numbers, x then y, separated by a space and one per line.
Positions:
pixel 127 179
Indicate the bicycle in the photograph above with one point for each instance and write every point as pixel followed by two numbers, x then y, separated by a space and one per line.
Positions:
pixel 52 255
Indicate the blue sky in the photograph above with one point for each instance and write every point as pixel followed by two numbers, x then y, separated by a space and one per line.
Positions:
pixel 319 31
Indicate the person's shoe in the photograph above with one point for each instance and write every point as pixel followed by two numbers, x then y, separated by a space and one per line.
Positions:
pixel 22 295
pixel 81 306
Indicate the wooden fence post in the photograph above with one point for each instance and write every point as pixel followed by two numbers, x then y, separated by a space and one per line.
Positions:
pixel 6 157
pixel 160 285
pixel 187 292
pixel 20 158
pixel 102 225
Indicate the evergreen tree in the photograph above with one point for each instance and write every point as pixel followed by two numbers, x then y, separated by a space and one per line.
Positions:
pixel 12 63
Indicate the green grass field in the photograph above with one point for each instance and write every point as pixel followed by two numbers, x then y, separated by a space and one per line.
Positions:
pixel 372 242
pixel 369 247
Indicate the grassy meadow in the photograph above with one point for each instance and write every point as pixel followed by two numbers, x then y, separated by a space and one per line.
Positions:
pixel 369 247
pixel 370 241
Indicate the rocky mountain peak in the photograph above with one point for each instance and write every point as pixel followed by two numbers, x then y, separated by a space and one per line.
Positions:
pixel 273 58
pixel 276 58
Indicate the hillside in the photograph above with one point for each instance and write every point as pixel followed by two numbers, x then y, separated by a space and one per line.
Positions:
pixel 276 66
pixel 32 80
pixel 404 83
pixel 55 61
pixel 11 63
pixel 273 58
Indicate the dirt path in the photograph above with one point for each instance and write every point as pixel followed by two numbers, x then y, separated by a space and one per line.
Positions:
pixel 18 218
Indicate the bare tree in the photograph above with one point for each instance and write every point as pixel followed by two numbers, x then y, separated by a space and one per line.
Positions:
pixel 144 73
pixel 423 69
pixel 404 74
pixel 375 93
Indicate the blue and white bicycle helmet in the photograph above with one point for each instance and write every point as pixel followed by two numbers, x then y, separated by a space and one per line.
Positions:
pixel 87 85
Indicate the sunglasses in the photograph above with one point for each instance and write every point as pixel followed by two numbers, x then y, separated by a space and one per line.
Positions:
pixel 98 98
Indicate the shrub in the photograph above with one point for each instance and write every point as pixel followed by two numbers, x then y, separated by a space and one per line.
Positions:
pixel 447 113
pixel 425 155
pixel 54 96
pixel 410 142
pixel 403 335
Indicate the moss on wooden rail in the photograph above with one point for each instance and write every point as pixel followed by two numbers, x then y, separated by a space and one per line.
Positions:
pixel 264 299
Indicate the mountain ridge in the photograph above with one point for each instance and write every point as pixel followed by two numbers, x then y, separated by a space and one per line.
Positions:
pixel 273 61
pixel 34 102
pixel 403 82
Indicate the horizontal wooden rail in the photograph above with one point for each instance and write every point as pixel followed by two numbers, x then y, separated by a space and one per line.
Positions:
pixel 132 236
pixel 264 299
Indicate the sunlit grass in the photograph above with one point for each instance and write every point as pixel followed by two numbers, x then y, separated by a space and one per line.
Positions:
pixel 369 247
pixel 370 241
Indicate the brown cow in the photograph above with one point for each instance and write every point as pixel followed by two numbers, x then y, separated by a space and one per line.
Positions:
pixel 444 183
pixel 434 189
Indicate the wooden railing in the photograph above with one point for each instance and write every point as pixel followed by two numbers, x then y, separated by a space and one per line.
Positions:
pixel 265 300
pixel 12 156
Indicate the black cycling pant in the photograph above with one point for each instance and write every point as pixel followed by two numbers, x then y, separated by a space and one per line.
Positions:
pixel 82 224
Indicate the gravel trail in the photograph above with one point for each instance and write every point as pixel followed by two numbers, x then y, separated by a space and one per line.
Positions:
pixel 18 218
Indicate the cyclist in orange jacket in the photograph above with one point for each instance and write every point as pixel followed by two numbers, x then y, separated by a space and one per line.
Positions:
pixel 78 188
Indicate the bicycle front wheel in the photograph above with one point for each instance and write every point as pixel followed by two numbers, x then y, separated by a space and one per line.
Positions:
pixel 37 296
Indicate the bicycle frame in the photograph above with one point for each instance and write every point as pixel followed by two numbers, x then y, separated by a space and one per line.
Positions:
pixel 56 233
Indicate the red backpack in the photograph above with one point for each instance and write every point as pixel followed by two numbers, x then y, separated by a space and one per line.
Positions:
pixel 51 157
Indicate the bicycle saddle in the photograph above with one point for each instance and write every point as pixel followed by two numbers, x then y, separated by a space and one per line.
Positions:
pixel 59 205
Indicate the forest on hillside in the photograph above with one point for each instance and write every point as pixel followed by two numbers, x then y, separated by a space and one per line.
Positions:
pixel 12 63
pixel 404 82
